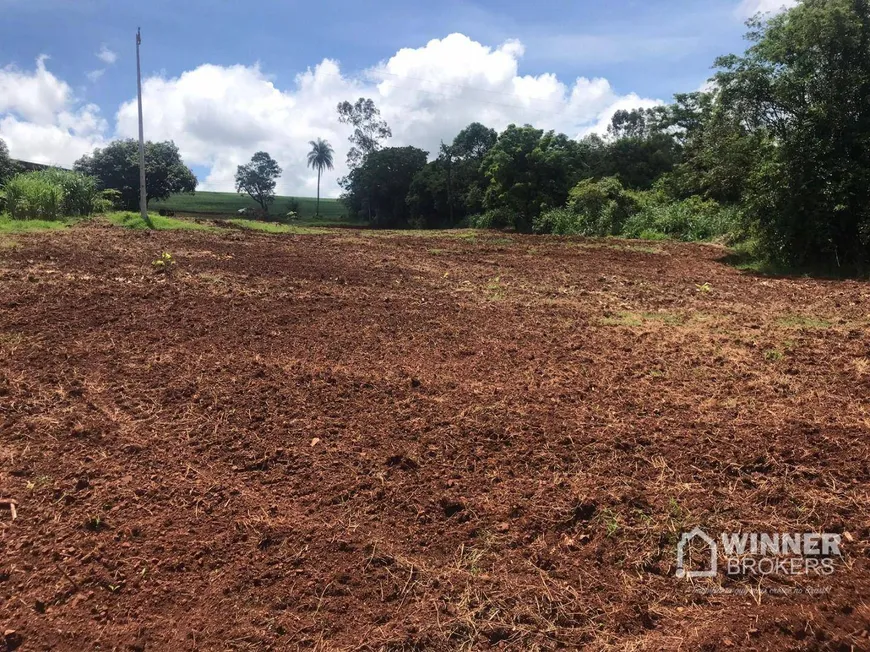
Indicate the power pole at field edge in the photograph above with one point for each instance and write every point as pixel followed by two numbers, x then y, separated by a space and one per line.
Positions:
pixel 143 199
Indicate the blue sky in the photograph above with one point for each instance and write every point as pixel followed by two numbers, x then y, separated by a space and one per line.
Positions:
pixel 629 51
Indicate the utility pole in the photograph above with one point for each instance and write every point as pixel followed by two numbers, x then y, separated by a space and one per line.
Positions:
pixel 143 201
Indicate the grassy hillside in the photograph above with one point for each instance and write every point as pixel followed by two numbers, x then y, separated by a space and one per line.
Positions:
pixel 230 203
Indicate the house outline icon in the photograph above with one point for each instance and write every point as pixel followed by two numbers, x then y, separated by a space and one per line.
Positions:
pixel 681 547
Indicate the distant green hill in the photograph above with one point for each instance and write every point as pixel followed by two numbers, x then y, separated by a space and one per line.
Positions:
pixel 229 203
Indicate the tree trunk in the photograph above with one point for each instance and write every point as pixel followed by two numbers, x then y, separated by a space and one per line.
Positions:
pixel 317 210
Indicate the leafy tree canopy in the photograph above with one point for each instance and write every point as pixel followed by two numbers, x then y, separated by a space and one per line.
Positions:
pixel 116 167
pixel 258 178
pixel 7 167
pixel 320 158
pixel 474 142
pixel 799 92
pixel 378 188
pixel 369 129
pixel 529 171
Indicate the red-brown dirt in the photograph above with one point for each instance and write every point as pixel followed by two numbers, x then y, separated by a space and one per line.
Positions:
pixel 359 441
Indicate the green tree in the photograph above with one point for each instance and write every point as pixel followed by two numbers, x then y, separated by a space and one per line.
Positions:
pixel 641 147
pixel 7 167
pixel 116 167
pixel 474 142
pixel 428 196
pixel 369 129
pixel 638 123
pixel 450 188
pixel 800 91
pixel 639 161
pixel 320 158
pixel 529 171
pixel 718 158
pixel 257 179
pixel 377 189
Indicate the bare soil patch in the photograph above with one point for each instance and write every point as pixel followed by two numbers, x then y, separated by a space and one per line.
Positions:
pixel 368 441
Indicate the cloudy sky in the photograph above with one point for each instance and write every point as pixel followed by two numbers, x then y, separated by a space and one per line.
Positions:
pixel 225 78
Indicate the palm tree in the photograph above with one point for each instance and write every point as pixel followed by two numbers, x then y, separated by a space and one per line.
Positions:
pixel 320 158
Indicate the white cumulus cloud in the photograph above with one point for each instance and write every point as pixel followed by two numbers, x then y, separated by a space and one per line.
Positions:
pixel 40 119
pixel 34 95
pixel 219 116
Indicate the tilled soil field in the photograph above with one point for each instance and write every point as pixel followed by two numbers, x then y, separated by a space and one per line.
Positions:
pixel 372 441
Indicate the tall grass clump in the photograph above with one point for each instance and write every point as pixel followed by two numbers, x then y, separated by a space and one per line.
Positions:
pixel 50 194
pixel 79 191
pixel 33 197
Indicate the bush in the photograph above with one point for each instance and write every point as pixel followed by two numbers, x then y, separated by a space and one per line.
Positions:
pixel 32 196
pixel 493 219
pixel 595 208
pixel 109 200
pixel 690 219
pixel 556 220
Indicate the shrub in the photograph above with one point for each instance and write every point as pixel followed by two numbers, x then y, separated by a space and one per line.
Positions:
pixel 110 200
pixel 603 206
pixel 595 208
pixel 32 196
pixel 493 219
pixel 690 219
pixel 556 220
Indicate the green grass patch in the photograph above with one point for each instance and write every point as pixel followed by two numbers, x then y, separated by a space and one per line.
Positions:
pixel 800 321
pixel 773 355
pixel 623 319
pixel 664 317
pixel 130 220
pixel 635 319
pixel 8 225
pixel 276 227
pixel 619 246
pixel 229 203
pixel 495 289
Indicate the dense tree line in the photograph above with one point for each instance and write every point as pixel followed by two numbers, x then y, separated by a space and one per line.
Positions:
pixel 776 152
